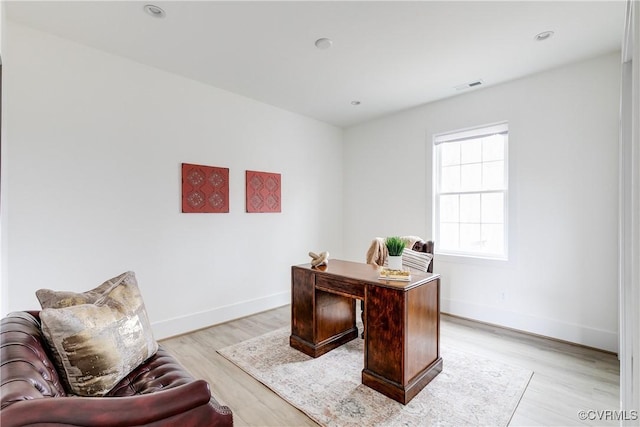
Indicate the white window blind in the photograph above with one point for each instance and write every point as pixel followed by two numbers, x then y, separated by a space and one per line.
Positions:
pixel 470 192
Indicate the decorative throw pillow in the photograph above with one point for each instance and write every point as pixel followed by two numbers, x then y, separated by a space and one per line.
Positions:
pixel 416 260
pixel 97 337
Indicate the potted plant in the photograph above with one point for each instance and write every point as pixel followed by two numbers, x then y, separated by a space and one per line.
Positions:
pixel 395 246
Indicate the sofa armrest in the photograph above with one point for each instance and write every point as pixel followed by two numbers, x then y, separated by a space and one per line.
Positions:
pixel 148 409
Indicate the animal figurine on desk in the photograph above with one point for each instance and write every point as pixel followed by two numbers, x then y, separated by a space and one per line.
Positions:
pixel 319 259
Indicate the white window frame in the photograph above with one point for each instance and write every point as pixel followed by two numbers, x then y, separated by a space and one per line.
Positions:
pixel 461 135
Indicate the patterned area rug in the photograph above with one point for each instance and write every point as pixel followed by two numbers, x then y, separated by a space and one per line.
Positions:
pixel 471 390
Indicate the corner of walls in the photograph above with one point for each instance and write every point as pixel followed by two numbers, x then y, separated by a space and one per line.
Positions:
pixel 371 199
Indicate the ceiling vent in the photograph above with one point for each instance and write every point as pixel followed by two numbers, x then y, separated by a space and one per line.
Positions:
pixel 469 85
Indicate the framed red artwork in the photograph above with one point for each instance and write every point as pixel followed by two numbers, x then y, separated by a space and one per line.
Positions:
pixel 205 189
pixel 263 192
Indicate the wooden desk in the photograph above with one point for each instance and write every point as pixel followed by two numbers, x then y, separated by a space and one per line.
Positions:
pixel 402 334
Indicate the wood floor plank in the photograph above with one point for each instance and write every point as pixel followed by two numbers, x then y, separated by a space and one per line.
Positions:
pixel 567 378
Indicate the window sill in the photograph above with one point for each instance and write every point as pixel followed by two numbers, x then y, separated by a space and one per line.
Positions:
pixel 471 259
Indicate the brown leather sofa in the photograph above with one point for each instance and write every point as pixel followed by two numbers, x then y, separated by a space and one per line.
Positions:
pixel 160 392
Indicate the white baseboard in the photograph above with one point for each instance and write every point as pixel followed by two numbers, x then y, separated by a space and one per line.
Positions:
pixel 191 322
pixel 590 337
pixel 578 334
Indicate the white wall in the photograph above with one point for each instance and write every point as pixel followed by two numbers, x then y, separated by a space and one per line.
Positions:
pixel 629 231
pixel 93 150
pixel 2 18
pixel 561 279
pixel 91 187
pixel 3 291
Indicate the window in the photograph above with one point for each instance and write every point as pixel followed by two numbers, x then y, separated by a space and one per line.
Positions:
pixel 470 192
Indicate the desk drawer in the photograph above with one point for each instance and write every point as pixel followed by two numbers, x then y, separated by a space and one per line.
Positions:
pixel 343 286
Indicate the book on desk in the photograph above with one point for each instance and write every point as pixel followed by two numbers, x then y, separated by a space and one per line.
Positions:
pixel 389 274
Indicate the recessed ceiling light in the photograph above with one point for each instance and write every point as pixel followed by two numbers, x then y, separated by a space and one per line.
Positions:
pixel 543 36
pixel 154 11
pixel 355 102
pixel 324 43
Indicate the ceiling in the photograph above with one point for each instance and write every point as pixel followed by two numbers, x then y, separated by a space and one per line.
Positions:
pixel 388 55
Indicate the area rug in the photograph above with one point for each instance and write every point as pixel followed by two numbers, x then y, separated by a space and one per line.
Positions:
pixel 470 391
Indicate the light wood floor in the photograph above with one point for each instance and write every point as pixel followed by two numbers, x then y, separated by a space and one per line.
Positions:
pixel 567 378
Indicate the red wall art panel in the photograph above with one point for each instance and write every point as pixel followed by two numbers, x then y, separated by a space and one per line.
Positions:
pixel 263 191
pixel 205 189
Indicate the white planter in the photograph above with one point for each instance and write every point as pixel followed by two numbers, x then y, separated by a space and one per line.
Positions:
pixel 394 262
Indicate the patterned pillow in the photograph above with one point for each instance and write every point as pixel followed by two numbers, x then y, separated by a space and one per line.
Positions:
pixel 416 260
pixel 97 337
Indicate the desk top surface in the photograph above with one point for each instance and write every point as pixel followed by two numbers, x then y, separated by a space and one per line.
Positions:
pixel 368 273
